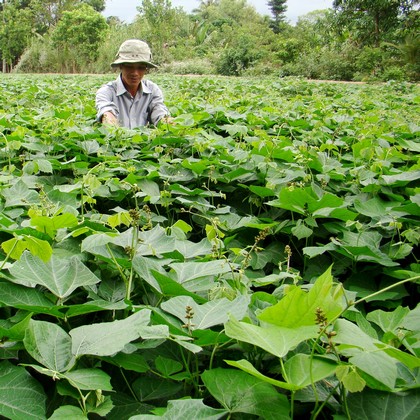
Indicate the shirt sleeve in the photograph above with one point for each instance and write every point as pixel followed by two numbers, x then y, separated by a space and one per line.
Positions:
pixel 157 108
pixel 104 102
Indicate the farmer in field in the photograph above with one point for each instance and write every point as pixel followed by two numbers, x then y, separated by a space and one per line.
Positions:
pixel 130 101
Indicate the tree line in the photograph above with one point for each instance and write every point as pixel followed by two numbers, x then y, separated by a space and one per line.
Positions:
pixel 354 40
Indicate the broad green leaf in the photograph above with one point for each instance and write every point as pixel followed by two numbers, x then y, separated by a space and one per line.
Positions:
pixel 68 412
pixel 209 337
pixel 93 306
pixel 301 231
pixel 298 307
pixel 364 246
pixel 167 367
pixel 50 345
pixel 314 251
pixel 351 380
pixel 144 266
pixel 365 326
pixel 102 406
pixel 89 379
pixel 412 319
pixel 186 343
pixel 375 207
pixel 15 332
pixel 191 250
pixel 185 227
pixel 186 409
pixel 262 191
pixel 234 129
pixel 97 240
pixel 388 321
pixel 295 200
pixel 350 334
pixel 239 392
pixel 169 287
pixel 306 202
pixel 248 368
pixel 273 339
pixel 29 299
pixel 21 396
pixel 187 272
pixel 59 276
pixel 402 178
pixel 207 315
pixel 38 247
pixel 408 359
pixel 108 338
pixel 121 218
pixel 371 404
pixel 366 254
pixel 45 371
pixel 155 242
pixel 153 388
pixel 362 351
pixel 125 407
pixel 20 195
pixel 50 225
pixel 135 362
pixel 149 190
pixel 89 146
pixel 304 370
pixel 44 165
pixel 112 290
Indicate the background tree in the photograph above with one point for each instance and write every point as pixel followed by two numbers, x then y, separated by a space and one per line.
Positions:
pixel 372 21
pixel 15 33
pixel 357 40
pixel 278 9
pixel 98 5
pixel 162 23
pixel 49 12
pixel 78 35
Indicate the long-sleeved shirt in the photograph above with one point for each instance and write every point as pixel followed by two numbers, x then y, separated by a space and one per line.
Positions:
pixel 144 108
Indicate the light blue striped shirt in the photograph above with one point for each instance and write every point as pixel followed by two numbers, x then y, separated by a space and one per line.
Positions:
pixel 147 107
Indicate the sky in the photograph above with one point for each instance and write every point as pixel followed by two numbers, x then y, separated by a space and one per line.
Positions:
pixel 126 9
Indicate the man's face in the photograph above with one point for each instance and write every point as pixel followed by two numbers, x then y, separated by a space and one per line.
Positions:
pixel 132 73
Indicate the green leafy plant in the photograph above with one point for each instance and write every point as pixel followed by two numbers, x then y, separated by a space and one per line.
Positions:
pixel 256 259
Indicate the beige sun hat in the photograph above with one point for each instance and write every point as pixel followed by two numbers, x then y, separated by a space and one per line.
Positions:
pixel 133 51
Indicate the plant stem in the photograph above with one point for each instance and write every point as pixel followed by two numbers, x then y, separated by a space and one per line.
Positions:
pixel 383 290
pixel 316 414
pixel 8 255
pixel 292 404
pixel 134 242
pixel 116 264
pixel 128 385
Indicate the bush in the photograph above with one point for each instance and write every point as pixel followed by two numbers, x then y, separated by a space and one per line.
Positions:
pixel 234 60
pixel 40 57
pixel 33 58
pixel 192 66
pixel 261 68
pixel 395 73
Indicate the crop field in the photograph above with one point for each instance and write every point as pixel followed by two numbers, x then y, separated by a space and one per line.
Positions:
pixel 259 258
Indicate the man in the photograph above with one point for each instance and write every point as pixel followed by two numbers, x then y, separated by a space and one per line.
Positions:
pixel 130 101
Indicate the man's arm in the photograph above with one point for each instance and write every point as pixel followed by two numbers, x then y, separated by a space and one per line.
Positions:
pixel 158 110
pixel 107 111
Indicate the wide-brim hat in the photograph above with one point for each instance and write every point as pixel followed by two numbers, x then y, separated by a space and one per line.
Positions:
pixel 134 51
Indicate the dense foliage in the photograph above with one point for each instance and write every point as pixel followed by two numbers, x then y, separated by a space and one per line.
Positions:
pixel 356 40
pixel 257 259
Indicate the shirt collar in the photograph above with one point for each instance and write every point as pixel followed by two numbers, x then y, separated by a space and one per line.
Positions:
pixel 121 88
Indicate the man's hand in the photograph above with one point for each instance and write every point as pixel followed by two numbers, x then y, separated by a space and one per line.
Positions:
pixel 167 119
pixel 109 118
